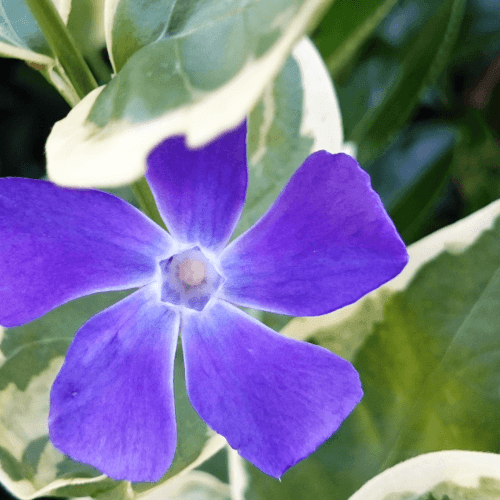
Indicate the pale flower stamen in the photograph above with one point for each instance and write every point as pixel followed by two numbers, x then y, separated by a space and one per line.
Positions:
pixel 192 272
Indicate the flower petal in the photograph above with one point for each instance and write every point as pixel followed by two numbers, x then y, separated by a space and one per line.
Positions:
pixel 325 242
pixel 200 193
pixel 112 404
pixel 59 244
pixel 274 399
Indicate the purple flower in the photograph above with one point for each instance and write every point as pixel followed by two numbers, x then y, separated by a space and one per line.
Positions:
pixel 324 243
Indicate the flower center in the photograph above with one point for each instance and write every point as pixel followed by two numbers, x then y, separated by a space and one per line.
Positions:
pixel 192 272
pixel 189 279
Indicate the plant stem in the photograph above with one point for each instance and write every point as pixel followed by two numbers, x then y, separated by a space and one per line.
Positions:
pixel 63 46
pixel 144 196
pixel 70 58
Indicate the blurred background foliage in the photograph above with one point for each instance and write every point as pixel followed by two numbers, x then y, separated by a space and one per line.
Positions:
pixel 418 84
pixel 418 87
pixel 420 98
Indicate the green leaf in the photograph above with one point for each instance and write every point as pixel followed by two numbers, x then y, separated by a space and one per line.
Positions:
pixel 479 33
pixel 440 475
pixel 205 72
pixel 428 360
pixel 62 46
pixel 200 33
pixel 421 60
pixel 345 27
pixel 276 147
pixel 86 25
pixel 20 36
pixel 170 55
pixel 475 165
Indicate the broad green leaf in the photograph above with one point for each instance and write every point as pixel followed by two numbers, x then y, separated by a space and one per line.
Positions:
pixel 29 466
pixel 20 36
pixel 345 27
pixel 417 64
pixel 469 475
pixel 86 25
pixel 199 83
pixel 427 354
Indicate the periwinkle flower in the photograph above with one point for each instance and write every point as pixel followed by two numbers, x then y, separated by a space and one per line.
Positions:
pixel 324 243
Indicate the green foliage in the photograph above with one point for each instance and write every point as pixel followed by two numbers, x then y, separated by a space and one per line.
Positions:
pixel 476 164
pixel 429 359
pixel 170 54
pixel 412 175
pixel 19 32
pixel 276 147
pixel 417 64
pixel 190 27
pixel 344 29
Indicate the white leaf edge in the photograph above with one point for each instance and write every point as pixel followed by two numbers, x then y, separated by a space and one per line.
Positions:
pixel 110 7
pixel 15 52
pixel 239 480
pixel 25 490
pixel 454 238
pixel 175 489
pixel 421 474
pixel 64 8
pixel 80 154
pixel 321 116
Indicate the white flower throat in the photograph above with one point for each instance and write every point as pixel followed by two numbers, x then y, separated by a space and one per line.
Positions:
pixel 189 279
pixel 192 272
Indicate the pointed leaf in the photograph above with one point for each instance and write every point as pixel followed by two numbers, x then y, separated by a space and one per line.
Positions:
pixel 171 87
pixel 20 36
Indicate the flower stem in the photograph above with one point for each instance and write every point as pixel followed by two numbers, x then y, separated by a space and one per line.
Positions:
pixel 144 197
pixel 63 46
pixel 78 73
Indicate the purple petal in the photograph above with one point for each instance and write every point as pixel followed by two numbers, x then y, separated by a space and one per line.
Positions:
pixel 200 193
pixel 112 404
pixel 325 242
pixel 274 399
pixel 59 244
